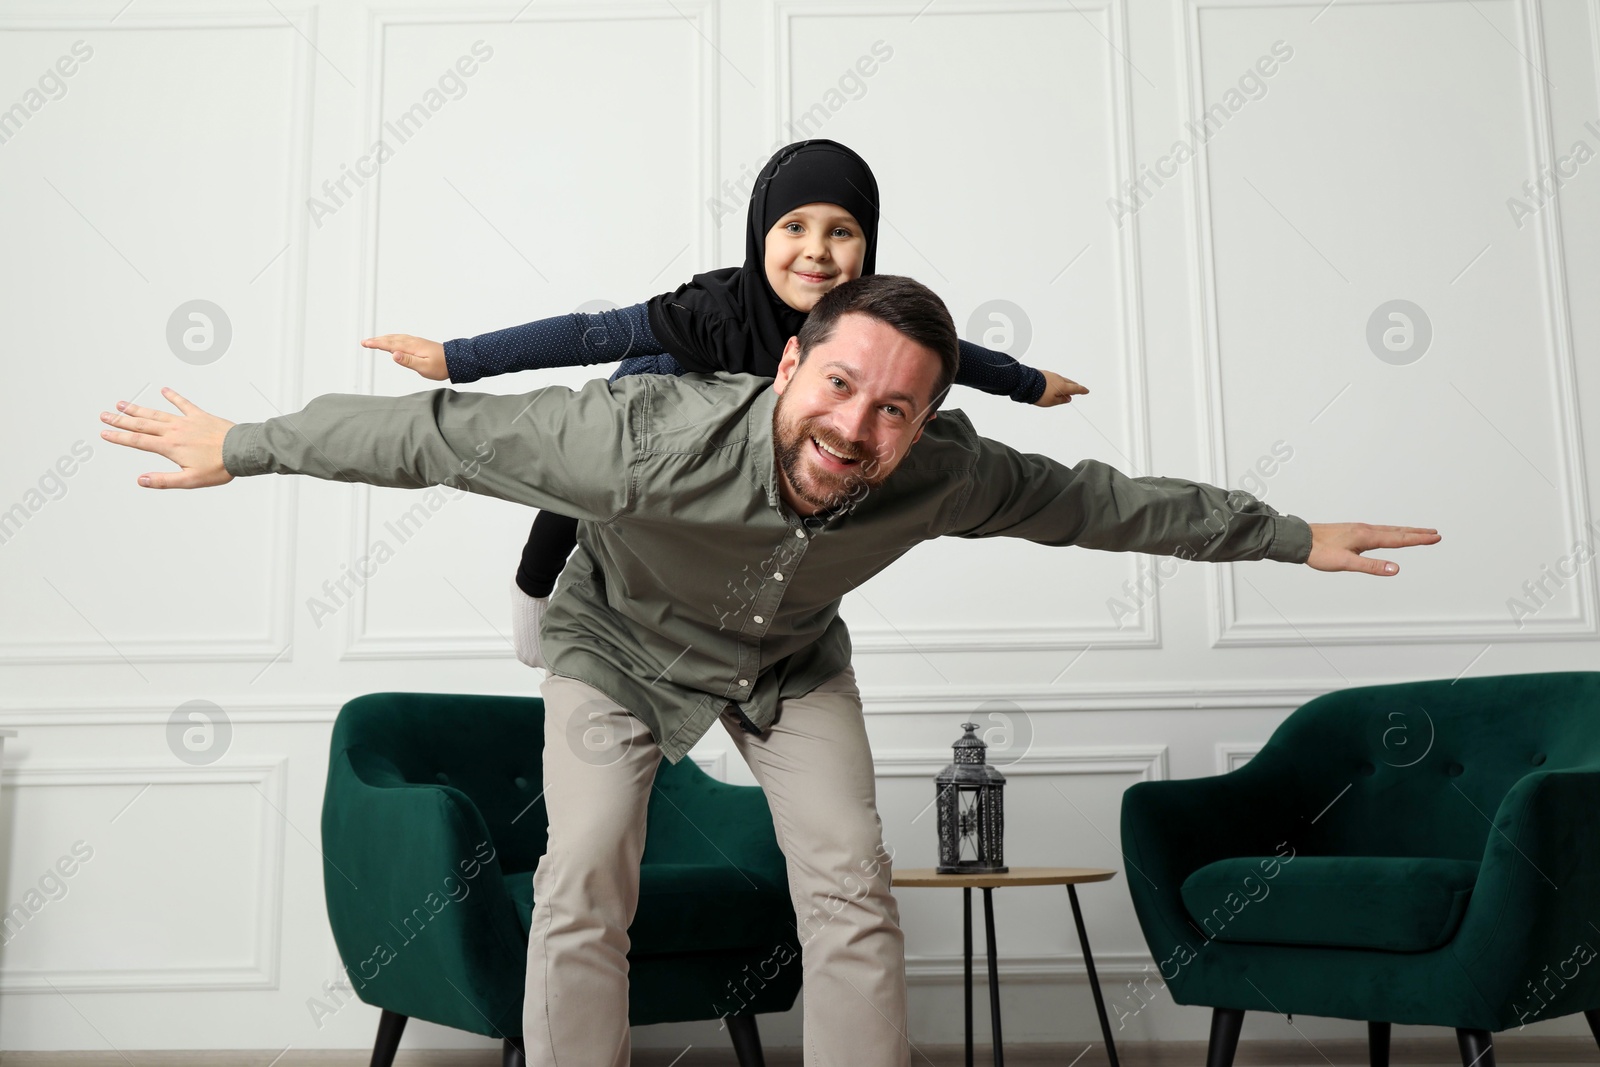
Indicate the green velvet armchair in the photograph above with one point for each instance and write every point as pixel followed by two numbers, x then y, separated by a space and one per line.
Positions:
pixel 1415 853
pixel 432 823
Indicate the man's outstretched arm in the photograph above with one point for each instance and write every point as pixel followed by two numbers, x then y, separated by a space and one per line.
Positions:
pixel 551 448
pixel 1094 505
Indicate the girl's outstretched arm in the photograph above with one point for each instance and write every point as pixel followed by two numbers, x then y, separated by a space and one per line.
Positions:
pixel 995 372
pixel 575 340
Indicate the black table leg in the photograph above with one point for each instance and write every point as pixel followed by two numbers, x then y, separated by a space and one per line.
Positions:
pixel 994 977
pixel 966 950
pixel 1094 979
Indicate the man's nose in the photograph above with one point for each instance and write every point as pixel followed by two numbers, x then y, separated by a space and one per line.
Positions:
pixel 852 420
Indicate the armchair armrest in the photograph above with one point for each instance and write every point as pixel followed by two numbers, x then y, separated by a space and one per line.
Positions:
pixel 1530 936
pixel 1172 829
pixel 415 895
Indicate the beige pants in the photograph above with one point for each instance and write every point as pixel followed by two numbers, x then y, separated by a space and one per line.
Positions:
pixel 816 769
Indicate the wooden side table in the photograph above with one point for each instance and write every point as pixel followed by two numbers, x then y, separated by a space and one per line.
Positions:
pixel 1070 877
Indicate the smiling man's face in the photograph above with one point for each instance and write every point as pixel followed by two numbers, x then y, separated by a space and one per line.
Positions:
pixel 847 414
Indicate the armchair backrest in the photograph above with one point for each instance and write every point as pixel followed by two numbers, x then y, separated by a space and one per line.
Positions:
pixel 1420 768
pixel 694 818
pixel 491 748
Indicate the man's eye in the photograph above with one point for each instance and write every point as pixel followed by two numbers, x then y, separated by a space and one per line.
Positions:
pixel 891 409
pixel 836 380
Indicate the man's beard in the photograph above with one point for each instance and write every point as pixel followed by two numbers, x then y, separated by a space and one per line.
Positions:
pixel 814 484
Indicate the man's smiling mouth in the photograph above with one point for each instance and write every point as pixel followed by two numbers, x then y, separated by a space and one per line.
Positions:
pixel 837 457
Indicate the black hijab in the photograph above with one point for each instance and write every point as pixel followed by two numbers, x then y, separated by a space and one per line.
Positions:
pixel 730 319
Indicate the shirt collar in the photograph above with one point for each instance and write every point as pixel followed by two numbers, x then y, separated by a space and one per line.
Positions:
pixel 762 456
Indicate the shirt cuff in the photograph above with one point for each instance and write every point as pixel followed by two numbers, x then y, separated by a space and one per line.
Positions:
pixel 458 364
pixel 1291 539
pixel 242 454
pixel 1031 388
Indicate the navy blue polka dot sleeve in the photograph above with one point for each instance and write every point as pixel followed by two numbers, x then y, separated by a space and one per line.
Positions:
pixel 661 363
pixel 575 340
pixel 996 372
pixel 624 335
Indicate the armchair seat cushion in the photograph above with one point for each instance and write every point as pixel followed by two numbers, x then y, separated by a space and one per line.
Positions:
pixel 1389 903
pixel 690 907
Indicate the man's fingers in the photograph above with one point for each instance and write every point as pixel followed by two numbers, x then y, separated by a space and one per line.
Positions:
pixel 165 480
pixel 129 408
pixel 1376 566
pixel 183 405
pixel 1400 537
pixel 123 421
pixel 143 441
pixel 1355 561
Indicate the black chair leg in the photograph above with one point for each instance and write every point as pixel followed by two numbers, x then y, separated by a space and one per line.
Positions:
pixel 1378 1044
pixel 1225 1026
pixel 511 1055
pixel 1594 1023
pixel 1477 1048
pixel 390 1027
pixel 746 1040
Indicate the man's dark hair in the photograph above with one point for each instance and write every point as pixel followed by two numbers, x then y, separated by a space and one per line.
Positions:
pixel 896 301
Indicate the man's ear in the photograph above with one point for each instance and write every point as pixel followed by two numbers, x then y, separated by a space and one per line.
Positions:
pixel 787 365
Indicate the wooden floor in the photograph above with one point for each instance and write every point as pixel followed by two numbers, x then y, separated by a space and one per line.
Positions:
pixel 1509 1049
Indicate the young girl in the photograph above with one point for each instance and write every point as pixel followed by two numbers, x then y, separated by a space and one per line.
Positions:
pixel 812 225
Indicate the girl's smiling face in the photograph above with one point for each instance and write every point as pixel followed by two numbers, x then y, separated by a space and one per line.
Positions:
pixel 812 249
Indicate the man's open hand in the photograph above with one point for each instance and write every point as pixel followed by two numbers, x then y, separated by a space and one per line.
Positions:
pixel 192 440
pixel 1337 546
pixel 1058 390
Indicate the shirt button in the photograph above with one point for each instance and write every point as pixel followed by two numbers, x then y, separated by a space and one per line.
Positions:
pixel 800 534
pixel 744 681
pixel 759 619
pixel 777 575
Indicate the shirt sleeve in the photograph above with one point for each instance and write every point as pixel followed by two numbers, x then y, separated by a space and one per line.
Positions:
pixel 658 364
pixel 557 448
pixel 995 372
pixel 576 340
pixel 1094 505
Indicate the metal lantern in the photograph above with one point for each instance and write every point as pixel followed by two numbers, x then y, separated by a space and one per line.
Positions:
pixel 971 813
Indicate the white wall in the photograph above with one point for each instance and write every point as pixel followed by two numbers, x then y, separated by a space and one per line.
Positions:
pixel 1220 317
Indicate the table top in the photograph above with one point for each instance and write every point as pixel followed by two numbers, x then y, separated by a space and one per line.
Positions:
pixel 927 876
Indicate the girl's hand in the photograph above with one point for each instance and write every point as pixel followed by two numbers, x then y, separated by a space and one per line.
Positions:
pixel 1058 390
pixel 421 355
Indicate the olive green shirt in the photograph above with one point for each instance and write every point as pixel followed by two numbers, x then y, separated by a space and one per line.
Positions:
pixel 694 586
